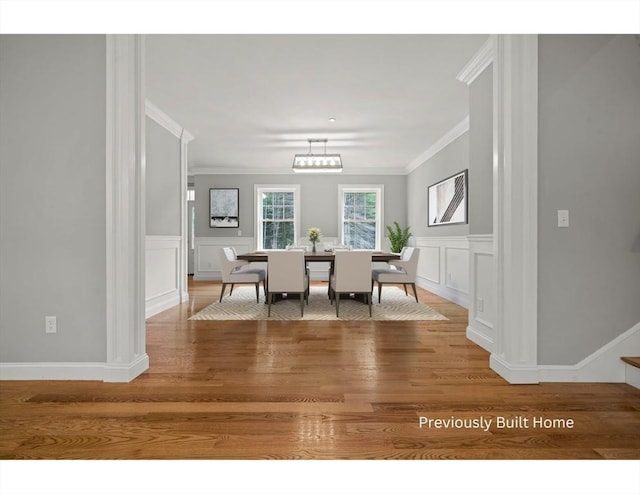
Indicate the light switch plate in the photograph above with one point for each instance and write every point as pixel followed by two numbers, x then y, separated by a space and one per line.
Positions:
pixel 50 324
pixel 563 218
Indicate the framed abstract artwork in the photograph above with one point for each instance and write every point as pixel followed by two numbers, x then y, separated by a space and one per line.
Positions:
pixel 447 201
pixel 224 208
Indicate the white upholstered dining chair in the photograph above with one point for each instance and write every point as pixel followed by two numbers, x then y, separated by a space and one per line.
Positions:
pixel 402 271
pixel 287 273
pixel 235 272
pixel 351 274
pixel 334 249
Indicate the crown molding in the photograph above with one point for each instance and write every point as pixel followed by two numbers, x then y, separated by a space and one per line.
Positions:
pixel 165 121
pixel 440 144
pixel 480 61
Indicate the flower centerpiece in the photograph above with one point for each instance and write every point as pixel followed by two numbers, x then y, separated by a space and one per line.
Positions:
pixel 314 236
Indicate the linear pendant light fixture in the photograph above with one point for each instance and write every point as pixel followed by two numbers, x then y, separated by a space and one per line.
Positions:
pixel 317 163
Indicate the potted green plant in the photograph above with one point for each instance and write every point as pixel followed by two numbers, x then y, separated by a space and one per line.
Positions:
pixel 398 237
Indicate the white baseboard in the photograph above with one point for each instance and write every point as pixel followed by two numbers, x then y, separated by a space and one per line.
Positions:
pixel 73 371
pixel 52 371
pixel 513 374
pixel 124 373
pixel 450 294
pixel 604 365
pixel 480 338
pixel 159 304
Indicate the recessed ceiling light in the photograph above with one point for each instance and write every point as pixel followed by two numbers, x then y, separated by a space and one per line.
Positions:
pixel 332 119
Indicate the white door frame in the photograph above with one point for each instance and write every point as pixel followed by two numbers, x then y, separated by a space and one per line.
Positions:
pixel 515 175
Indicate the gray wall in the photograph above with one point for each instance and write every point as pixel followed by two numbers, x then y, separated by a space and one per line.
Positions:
pixel 481 153
pixel 449 161
pixel 162 181
pixel 589 163
pixel 318 201
pixel 52 197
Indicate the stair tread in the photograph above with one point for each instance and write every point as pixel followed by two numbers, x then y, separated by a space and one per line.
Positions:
pixel 635 361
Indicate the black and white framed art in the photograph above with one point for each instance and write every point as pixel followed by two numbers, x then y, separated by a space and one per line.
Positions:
pixel 224 208
pixel 447 201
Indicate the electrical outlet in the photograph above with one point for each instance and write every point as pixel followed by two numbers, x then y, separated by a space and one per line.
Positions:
pixel 480 305
pixel 239 233
pixel 50 324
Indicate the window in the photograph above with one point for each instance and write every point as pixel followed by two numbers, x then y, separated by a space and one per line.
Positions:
pixel 277 215
pixel 361 215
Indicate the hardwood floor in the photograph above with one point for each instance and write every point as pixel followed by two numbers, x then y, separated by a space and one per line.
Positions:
pixel 315 390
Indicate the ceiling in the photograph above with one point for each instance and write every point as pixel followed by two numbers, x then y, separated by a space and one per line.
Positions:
pixel 252 101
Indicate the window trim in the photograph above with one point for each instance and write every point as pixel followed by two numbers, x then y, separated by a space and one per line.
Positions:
pixel 379 190
pixel 258 189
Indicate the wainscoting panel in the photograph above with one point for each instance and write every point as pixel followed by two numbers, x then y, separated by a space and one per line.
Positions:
pixel 443 267
pixel 162 272
pixel 482 306
pixel 429 264
pixel 457 269
pixel 207 254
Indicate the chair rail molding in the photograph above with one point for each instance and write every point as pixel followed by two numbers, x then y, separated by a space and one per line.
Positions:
pixel 126 355
pixel 515 207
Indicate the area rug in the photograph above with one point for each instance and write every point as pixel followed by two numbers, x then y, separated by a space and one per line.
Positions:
pixel 394 306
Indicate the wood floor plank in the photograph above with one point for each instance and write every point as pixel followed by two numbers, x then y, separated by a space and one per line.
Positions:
pixel 314 390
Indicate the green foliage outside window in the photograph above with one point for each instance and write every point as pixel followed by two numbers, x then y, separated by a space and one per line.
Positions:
pixel 278 212
pixel 360 219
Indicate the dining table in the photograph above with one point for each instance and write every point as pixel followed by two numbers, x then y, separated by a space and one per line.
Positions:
pixel 319 256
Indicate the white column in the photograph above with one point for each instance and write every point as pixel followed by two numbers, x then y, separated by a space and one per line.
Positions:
pixel 125 200
pixel 515 76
